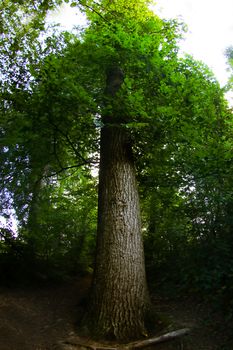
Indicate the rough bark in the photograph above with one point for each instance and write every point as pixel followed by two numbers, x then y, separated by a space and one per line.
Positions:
pixel 119 297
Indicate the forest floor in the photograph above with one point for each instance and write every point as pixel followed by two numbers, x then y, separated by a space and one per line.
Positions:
pixel 38 317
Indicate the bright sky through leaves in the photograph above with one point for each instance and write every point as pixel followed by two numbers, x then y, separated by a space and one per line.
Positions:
pixel 210 28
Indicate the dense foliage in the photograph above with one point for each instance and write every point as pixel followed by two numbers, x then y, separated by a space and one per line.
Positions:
pixel 52 88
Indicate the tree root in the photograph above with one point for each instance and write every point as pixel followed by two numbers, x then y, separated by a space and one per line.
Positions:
pixel 87 344
pixel 157 340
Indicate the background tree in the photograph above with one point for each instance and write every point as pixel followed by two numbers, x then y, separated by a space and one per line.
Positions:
pixel 187 211
pixel 38 155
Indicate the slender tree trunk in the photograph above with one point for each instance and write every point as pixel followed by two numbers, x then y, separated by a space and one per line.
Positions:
pixel 119 298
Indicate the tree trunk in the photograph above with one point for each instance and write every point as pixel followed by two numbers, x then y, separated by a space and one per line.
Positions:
pixel 119 298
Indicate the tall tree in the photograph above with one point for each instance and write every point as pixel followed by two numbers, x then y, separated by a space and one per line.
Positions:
pixel 127 42
pixel 119 299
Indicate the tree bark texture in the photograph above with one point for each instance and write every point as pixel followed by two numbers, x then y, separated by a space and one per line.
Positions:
pixel 119 298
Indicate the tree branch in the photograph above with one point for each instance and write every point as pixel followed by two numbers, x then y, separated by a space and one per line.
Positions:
pixel 70 143
pixel 93 10
pixel 66 168
pixel 163 338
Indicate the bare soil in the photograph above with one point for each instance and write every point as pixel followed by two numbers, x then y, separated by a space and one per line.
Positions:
pixel 37 318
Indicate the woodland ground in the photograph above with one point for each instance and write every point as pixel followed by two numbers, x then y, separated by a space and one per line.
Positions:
pixel 36 318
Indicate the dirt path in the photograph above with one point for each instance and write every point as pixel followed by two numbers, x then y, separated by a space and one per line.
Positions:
pixel 37 318
pixel 196 316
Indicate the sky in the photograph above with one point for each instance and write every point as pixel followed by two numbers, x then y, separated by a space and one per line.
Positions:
pixel 210 30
